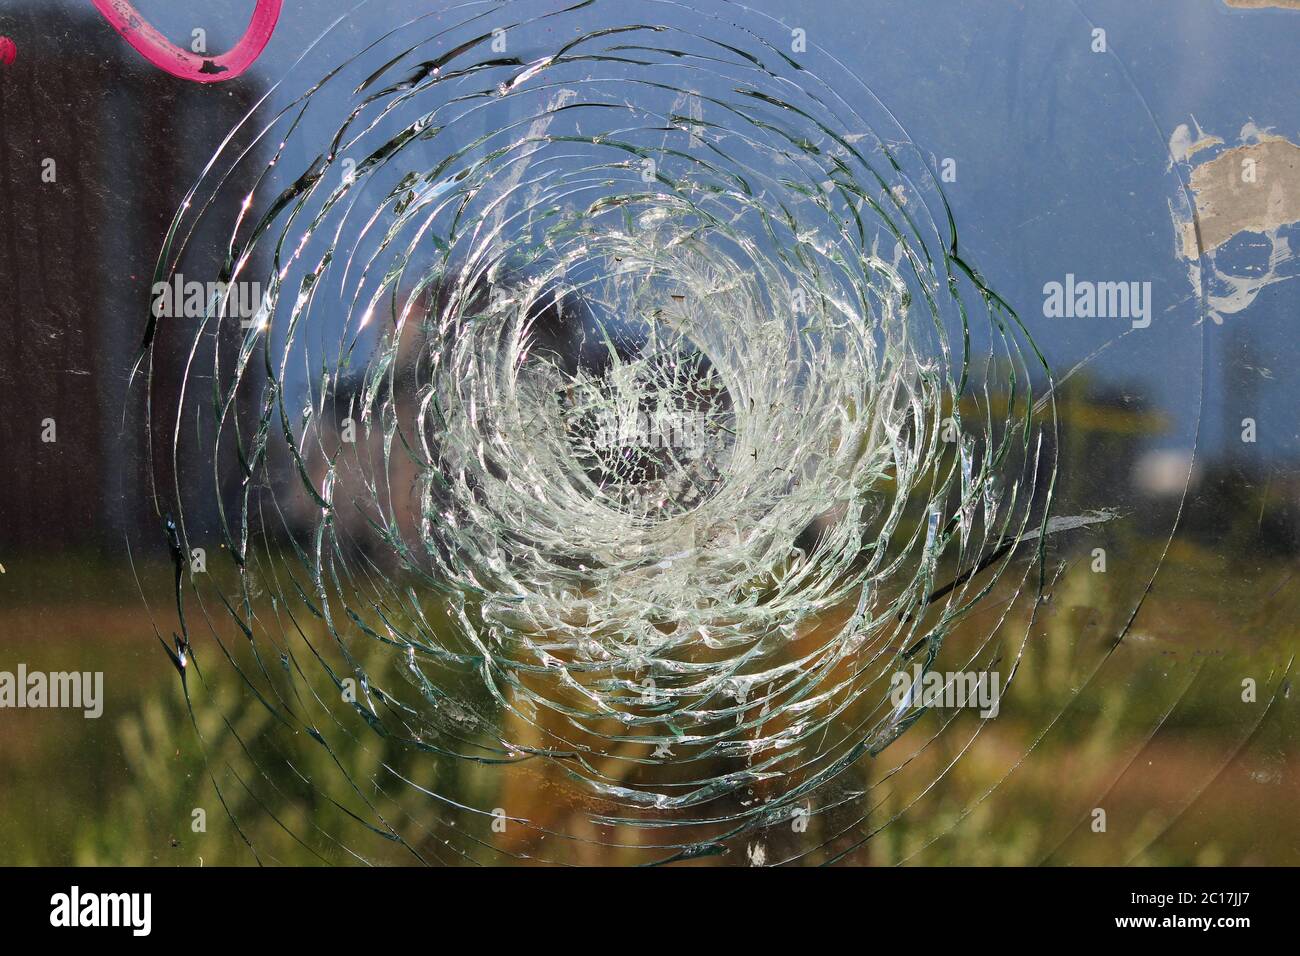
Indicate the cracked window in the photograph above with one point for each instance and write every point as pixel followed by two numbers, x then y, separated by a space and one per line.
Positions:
pixel 641 432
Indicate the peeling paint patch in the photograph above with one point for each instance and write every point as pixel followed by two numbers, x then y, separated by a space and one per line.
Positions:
pixel 1182 147
pixel 1262 4
pixel 1252 188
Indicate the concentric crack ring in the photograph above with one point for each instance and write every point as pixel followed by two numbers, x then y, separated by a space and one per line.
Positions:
pixel 624 390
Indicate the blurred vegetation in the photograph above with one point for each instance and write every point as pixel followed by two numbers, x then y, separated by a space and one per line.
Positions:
pixel 1160 739
pixel 1154 731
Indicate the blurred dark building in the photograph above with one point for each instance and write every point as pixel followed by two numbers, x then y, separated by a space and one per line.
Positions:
pixel 77 257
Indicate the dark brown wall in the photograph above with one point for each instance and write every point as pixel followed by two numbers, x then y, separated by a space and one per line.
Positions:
pixel 76 263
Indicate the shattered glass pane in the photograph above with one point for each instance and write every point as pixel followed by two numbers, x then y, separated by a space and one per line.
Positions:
pixel 639 431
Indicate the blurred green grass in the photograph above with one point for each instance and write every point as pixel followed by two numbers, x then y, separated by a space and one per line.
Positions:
pixel 1187 772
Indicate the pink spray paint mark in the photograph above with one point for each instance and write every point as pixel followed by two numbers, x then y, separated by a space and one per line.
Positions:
pixel 200 68
pixel 8 51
